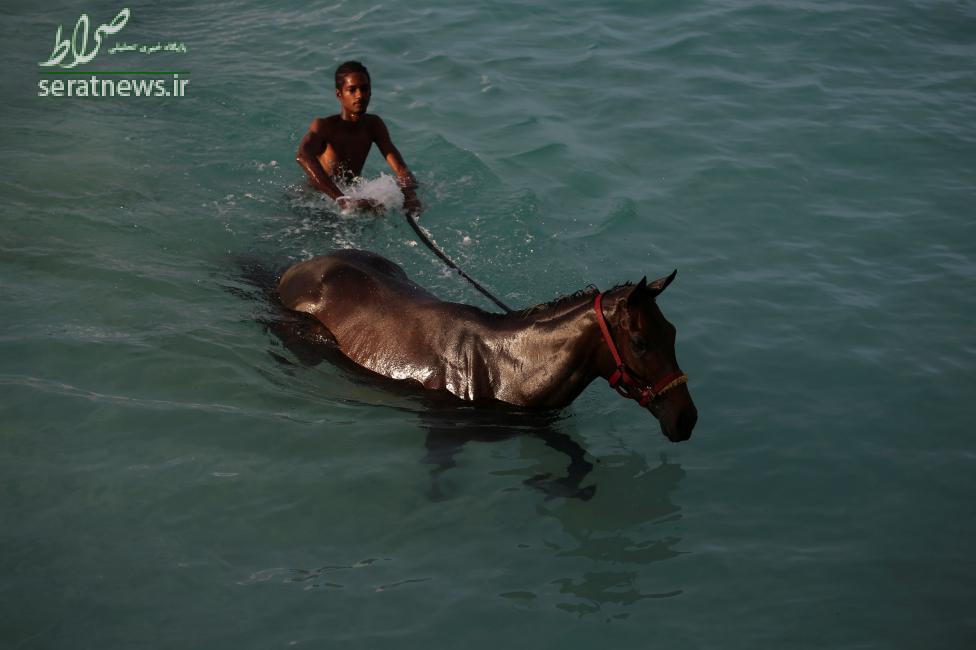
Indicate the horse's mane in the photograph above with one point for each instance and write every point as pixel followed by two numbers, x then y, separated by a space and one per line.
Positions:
pixel 562 301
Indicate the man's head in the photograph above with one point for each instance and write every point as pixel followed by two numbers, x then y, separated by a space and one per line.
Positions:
pixel 348 68
pixel 353 88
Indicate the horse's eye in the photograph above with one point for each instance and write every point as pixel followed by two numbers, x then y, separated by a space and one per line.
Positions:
pixel 638 345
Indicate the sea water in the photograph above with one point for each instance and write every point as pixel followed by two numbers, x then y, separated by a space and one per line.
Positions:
pixel 171 477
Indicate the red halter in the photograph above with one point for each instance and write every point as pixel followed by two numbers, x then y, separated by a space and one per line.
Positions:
pixel 621 380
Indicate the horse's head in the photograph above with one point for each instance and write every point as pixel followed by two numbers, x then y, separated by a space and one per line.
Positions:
pixel 651 373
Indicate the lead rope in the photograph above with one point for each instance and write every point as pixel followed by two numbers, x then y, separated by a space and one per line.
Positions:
pixel 447 260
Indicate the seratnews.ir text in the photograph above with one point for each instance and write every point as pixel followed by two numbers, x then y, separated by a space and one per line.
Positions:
pixel 95 86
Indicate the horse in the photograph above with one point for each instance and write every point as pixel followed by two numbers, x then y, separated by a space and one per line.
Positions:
pixel 536 359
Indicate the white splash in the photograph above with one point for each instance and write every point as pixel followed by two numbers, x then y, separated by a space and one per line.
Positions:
pixel 383 189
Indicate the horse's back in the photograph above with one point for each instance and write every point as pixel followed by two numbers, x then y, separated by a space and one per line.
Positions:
pixel 368 261
pixel 347 276
pixel 377 317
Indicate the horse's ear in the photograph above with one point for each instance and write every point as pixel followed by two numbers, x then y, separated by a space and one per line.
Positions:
pixel 659 285
pixel 637 293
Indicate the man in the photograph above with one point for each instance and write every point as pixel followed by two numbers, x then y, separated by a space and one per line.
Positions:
pixel 336 147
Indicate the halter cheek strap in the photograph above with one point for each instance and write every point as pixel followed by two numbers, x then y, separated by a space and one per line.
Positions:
pixel 621 380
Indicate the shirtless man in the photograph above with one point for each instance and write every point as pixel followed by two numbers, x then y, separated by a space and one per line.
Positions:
pixel 337 146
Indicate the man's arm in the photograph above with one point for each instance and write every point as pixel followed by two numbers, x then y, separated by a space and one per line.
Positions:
pixel 309 150
pixel 405 179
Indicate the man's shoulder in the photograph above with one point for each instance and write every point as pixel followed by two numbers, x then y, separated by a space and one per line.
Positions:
pixel 323 125
pixel 325 122
pixel 375 124
pixel 373 120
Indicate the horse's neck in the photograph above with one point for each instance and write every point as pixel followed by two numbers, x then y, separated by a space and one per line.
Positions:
pixel 557 354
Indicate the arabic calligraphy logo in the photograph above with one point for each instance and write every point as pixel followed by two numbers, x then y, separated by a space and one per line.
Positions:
pixel 79 40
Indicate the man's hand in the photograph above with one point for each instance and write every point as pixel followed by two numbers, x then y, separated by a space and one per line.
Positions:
pixel 412 204
pixel 407 183
pixel 371 206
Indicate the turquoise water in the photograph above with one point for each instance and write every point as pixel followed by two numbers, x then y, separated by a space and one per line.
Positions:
pixel 809 168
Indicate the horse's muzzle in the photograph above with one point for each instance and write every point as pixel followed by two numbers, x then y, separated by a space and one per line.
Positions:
pixel 685 424
pixel 676 413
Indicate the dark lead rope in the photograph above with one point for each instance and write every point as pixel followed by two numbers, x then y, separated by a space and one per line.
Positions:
pixel 447 260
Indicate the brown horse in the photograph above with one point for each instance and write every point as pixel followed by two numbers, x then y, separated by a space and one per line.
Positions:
pixel 539 358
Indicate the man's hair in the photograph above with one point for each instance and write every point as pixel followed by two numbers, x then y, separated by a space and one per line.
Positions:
pixel 348 68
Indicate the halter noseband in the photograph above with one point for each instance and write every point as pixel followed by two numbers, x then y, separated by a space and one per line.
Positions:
pixel 621 380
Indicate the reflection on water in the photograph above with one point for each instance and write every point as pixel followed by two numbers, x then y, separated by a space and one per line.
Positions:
pixel 448 430
pixel 617 513
pixel 631 495
pixel 332 576
pixel 626 524
pixel 596 590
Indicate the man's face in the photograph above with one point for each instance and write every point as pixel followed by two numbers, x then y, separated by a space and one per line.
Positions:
pixel 354 94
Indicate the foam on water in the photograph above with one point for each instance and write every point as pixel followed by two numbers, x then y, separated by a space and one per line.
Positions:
pixel 382 188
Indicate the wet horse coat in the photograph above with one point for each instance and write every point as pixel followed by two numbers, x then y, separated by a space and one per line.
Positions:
pixel 539 358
